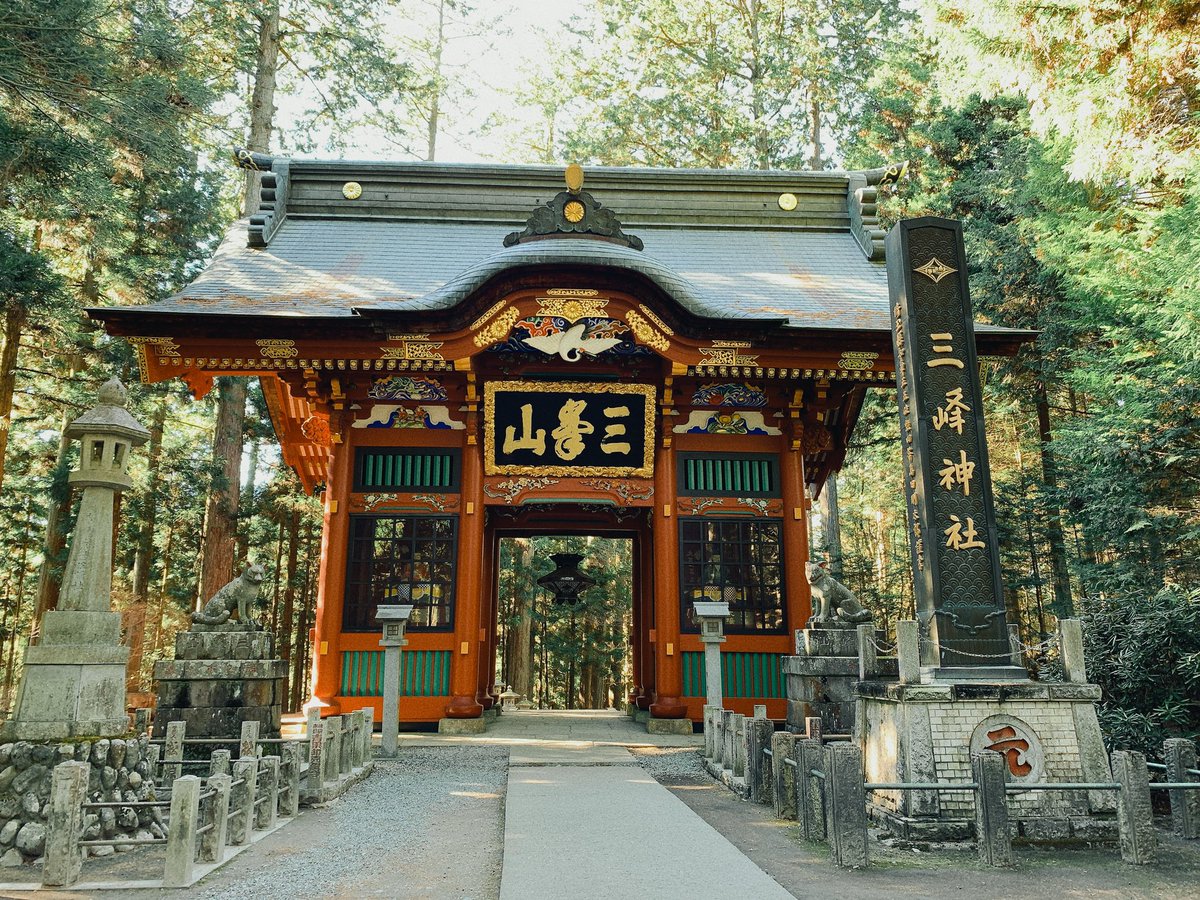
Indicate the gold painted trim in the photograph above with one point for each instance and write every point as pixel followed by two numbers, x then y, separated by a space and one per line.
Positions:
pixel 478 323
pixel 498 330
pixel 645 334
pixel 653 317
pixel 645 470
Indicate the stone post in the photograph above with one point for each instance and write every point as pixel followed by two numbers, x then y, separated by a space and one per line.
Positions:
pixel 1180 756
pixel 218 763
pixel 908 651
pixel 152 754
pixel 1070 640
pixel 740 750
pixel 810 790
pixel 368 715
pixel 1135 818
pixel 241 798
pixel 728 756
pixel 316 761
pixel 394 617
pixel 845 805
pixel 990 772
pixel 708 732
pixel 266 814
pixel 248 744
pixel 348 739
pixel 1014 645
pixel 760 710
pixel 354 746
pixel 311 718
pixel 759 776
pixel 181 839
pixel 63 858
pixel 289 779
pixel 718 721
pixel 212 842
pixel 812 727
pixel 333 748
pixel 173 752
pixel 712 616
pixel 868 658
pixel 783 746
pixel 73 683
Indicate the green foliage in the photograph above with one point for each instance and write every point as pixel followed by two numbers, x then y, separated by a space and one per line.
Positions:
pixel 1145 654
pixel 694 83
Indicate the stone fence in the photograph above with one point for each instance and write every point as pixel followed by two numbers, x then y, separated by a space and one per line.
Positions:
pixel 203 819
pixel 822 786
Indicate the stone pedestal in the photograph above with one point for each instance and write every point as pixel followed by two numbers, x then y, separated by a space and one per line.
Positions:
pixel 221 676
pixel 927 733
pixel 820 678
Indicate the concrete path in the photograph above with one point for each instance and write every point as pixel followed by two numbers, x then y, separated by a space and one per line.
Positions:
pixel 582 819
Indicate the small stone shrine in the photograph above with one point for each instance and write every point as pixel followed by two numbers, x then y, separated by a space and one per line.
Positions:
pixel 961 687
pixel 224 672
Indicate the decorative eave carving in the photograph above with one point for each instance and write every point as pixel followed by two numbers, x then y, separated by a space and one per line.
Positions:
pixel 864 209
pixel 573 213
pixel 272 195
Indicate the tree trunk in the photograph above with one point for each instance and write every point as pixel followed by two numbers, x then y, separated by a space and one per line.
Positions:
pixel 277 575
pixel 55 542
pixel 262 99
pixel 18 599
pixel 284 645
pixel 143 561
pixel 832 520
pixel 162 589
pixel 221 512
pixel 520 654
pixel 308 602
pixel 248 505
pixel 435 102
pixel 814 125
pixel 14 324
pixel 1063 605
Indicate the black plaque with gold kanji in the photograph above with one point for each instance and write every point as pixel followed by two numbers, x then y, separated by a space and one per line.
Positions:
pixel 951 520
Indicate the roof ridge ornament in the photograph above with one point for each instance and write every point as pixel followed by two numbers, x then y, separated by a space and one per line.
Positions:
pixel 573 213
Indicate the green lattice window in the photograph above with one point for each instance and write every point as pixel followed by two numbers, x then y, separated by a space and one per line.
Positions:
pixel 386 469
pixel 728 475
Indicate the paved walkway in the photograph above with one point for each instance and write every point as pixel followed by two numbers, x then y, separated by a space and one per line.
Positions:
pixel 582 819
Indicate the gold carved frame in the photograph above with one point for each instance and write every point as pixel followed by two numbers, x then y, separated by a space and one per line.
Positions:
pixel 645 470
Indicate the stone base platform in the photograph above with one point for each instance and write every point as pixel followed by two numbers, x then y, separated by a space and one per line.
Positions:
pixel 926 733
pixel 222 676
pixel 462 726
pixel 668 726
pixel 820 678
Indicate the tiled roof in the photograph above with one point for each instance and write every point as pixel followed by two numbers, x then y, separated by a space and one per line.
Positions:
pixel 331 267
pixel 327 257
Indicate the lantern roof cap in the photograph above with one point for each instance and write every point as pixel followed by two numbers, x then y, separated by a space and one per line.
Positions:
pixel 109 416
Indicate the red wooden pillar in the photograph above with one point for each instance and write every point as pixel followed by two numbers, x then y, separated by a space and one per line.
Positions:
pixel 643 618
pixel 489 630
pixel 668 661
pixel 464 671
pixel 797 593
pixel 331 589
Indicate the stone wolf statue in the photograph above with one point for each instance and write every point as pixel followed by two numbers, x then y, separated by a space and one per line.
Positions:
pixel 239 594
pixel 834 602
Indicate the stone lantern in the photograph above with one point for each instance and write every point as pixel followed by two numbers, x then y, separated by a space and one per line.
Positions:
pixel 712 616
pixel 394 618
pixel 74 680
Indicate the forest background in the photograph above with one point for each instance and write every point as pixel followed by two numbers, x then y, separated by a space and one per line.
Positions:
pixel 1065 135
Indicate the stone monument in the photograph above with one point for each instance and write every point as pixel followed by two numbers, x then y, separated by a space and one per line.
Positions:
pixel 74 678
pixel 224 672
pixel 961 687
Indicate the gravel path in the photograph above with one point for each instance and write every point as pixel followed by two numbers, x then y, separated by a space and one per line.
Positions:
pixel 672 765
pixel 429 824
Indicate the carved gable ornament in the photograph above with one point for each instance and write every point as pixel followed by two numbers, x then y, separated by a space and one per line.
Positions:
pixel 573 213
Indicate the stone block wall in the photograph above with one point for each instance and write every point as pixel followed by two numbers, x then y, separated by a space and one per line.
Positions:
pixel 120 771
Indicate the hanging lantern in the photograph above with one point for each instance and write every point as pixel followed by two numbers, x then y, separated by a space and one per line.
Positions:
pixel 566 582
